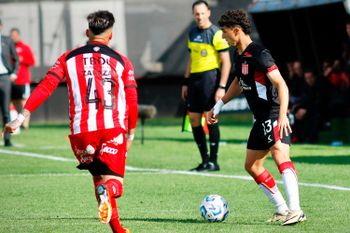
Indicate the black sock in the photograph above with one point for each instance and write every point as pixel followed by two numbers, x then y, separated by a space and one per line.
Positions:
pixel 214 138
pixel 199 137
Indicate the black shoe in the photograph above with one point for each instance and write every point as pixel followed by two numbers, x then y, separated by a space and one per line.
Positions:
pixel 7 142
pixel 212 166
pixel 201 167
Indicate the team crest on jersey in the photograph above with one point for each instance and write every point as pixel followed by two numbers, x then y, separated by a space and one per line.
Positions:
pixel 245 68
pixel 204 52
pixel 96 48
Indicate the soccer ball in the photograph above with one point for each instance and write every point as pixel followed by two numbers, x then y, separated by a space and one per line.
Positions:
pixel 214 208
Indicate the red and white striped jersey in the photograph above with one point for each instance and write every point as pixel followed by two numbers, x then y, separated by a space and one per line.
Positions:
pixel 101 87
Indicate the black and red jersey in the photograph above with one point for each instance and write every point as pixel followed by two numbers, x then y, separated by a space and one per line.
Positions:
pixel 251 68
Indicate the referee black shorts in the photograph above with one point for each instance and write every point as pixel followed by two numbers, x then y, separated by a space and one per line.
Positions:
pixel 201 90
pixel 264 134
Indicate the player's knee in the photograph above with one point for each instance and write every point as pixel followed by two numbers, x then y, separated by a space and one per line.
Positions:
pixel 252 168
pixel 115 187
pixel 195 120
pixel 248 167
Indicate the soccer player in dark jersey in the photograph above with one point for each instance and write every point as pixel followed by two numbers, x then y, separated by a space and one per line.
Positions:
pixel 205 80
pixel 258 77
pixel 102 110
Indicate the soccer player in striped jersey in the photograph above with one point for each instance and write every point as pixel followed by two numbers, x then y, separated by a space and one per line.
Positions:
pixel 102 110
pixel 258 77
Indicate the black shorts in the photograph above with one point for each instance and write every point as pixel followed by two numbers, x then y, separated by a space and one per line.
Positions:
pixel 264 134
pixel 201 91
pixel 20 92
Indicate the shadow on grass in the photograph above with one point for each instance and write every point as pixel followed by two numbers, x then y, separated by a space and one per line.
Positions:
pixel 159 220
pixel 50 126
pixel 186 221
pixel 56 218
pixel 317 159
pixel 228 141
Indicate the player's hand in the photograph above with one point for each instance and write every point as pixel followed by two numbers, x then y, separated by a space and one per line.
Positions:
pixel 11 126
pixel 211 117
pixel 13 77
pixel 184 92
pixel 128 144
pixel 130 138
pixel 220 92
pixel 284 126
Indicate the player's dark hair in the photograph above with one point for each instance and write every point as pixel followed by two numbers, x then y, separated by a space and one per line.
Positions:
pixel 198 3
pixel 100 21
pixel 15 30
pixel 233 18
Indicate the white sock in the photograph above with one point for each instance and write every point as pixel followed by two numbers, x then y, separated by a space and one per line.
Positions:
pixel 275 198
pixel 290 182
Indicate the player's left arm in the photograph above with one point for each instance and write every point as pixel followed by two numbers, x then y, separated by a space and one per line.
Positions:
pixel 131 101
pixel 277 80
pixel 270 68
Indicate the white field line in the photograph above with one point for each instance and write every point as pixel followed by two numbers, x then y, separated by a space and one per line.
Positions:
pixel 160 171
pixel 35 155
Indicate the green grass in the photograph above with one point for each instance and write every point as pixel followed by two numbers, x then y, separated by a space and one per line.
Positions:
pixel 39 195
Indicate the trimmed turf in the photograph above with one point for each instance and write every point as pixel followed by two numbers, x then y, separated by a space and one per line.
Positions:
pixel 40 195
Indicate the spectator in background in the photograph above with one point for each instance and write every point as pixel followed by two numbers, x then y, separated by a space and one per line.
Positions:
pixel 8 72
pixel 295 83
pixel 21 87
pixel 313 104
pixel 346 48
pixel 339 81
pixel 346 56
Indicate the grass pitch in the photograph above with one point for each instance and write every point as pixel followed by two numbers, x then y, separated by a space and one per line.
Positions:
pixel 41 194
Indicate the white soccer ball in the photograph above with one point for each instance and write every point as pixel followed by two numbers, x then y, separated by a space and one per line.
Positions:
pixel 214 208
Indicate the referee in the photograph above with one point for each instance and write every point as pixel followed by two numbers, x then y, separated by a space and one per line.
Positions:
pixel 204 83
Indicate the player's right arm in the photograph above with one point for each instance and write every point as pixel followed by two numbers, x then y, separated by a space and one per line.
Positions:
pixel 233 91
pixel 50 82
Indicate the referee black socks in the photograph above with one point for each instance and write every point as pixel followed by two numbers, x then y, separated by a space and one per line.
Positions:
pixel 214 139
pixel 199 137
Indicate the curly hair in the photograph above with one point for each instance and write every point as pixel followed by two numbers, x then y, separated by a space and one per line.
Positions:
pixel 233 18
